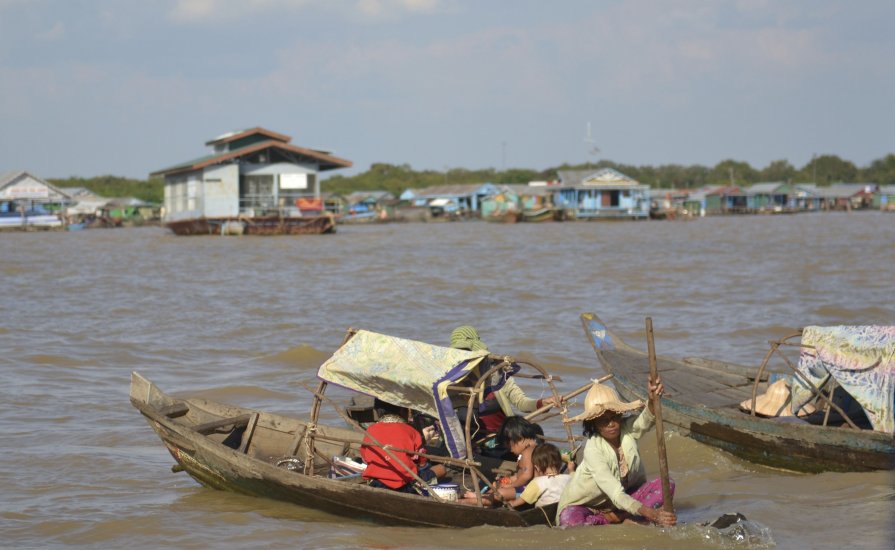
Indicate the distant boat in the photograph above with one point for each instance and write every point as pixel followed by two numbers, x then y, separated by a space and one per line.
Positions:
pixel 545 214
pixel 30 220
pixel 703 402
pixel 503 217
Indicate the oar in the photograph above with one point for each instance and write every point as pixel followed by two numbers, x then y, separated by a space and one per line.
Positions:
pixel 657 410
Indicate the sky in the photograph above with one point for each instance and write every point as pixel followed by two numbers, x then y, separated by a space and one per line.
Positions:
pixel 127 87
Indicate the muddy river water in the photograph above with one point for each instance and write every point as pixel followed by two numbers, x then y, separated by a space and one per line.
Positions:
pixel 246 320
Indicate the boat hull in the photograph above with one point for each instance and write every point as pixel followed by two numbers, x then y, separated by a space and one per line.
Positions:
pixel 792 446
pixel 266 225
pixel 228 464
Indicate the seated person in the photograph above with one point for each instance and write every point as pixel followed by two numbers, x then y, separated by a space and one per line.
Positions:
pixel 393 429
pixel 521 437
pixel 548 483
pixel 497 406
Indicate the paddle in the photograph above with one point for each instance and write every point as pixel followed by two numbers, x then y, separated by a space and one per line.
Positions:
pixel 657 410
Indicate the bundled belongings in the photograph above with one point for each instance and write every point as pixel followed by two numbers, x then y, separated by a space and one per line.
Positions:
pixel 776 402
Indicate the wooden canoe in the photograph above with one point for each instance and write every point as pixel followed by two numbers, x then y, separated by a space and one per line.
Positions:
pixel 540 215
pixel 702 401
pixel 236 449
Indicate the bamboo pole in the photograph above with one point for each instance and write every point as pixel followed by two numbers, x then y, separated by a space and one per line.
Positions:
pixel 568 396
pixel 667 505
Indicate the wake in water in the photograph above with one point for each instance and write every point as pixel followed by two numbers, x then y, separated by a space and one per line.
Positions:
pixel 729 531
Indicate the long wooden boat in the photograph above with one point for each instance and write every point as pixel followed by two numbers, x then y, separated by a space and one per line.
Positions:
pixel 539 215
pixel 243 450
pixel 503 217
pixel 257 225
pixel 702 401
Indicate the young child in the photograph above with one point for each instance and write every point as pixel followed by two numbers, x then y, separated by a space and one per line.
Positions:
pixel 521 437
pixel 548 483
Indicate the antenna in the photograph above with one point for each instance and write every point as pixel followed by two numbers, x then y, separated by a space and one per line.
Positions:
pixel 589 139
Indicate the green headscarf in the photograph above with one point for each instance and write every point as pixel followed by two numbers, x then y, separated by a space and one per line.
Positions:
pixel 467 337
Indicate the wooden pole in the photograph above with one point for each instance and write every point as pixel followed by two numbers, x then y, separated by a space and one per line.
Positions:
pixel 667 505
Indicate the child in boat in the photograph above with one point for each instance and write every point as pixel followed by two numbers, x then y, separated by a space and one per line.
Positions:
pixel 548 483
pixel 521 437
pixel 393 429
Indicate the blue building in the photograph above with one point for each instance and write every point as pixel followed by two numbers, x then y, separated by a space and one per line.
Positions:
pixel 599 194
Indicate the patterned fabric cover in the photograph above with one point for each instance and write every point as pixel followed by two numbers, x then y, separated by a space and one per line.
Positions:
pixel 860 358
pixel 405 373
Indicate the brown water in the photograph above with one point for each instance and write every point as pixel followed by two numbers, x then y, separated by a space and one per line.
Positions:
pixel 247 319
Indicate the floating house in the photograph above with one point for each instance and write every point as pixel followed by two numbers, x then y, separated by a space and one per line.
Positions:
pixel 884 199
pixel 725 199
pixel 255 181
pixel 769 197
pixel 29 202
pixel 451 201
pixel 604 193
pixel 848 196
pixel 505 205
pixel 806 197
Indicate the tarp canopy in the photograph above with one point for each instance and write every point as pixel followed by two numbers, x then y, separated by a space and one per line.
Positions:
pixel 408 374
pixel 860 358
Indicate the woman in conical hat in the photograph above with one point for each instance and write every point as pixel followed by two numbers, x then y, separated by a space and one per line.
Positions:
pixel 609 486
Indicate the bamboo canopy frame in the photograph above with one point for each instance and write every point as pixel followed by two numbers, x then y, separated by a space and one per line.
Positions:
pixel 475 393
pixel 775 348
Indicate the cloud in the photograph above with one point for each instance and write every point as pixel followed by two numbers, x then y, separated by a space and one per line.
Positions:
pixel 56 32
pixel 198 11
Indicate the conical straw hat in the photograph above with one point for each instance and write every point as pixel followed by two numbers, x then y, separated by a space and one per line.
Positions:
pixel 776 401
pixel 601 398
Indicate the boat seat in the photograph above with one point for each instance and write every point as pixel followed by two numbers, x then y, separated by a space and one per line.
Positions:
pixel 234 423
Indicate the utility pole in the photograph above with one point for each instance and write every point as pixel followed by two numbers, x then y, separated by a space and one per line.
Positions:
pixel 503 157
pixel 814 167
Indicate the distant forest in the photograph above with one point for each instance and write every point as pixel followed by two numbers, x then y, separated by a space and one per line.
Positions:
pixel 823 170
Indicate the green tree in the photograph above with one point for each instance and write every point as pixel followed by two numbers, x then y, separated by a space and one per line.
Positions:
pixel 881 171
pixel 114 187
pixel 733 172
pixel 778 170
pixel 827 169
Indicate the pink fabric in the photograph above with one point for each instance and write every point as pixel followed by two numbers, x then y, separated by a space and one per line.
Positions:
pixel 649 494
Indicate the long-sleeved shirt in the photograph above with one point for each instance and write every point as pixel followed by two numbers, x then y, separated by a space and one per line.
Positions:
pixel 597 480
pixel 380 465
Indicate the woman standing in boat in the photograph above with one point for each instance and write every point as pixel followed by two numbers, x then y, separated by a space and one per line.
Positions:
pixel 609 486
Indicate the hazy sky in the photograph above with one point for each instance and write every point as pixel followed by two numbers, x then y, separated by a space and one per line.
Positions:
pixel 125 87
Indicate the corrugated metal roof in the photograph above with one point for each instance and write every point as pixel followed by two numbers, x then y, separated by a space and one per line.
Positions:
pixel 764 187
pixel 602 176
pixel 327 162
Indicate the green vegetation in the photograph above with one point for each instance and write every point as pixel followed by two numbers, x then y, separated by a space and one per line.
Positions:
pixel 152 191
pixel 823 170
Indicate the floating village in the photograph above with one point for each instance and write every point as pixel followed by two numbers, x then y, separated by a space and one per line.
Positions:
pixel 257 181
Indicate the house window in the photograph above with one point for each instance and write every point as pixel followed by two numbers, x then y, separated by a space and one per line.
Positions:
pixel 257 192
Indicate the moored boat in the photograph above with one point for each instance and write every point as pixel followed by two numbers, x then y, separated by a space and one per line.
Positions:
pixel 503 217
pixel 704 401
pixel 546 214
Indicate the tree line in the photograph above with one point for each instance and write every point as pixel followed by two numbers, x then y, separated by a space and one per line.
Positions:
pixel 395 178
